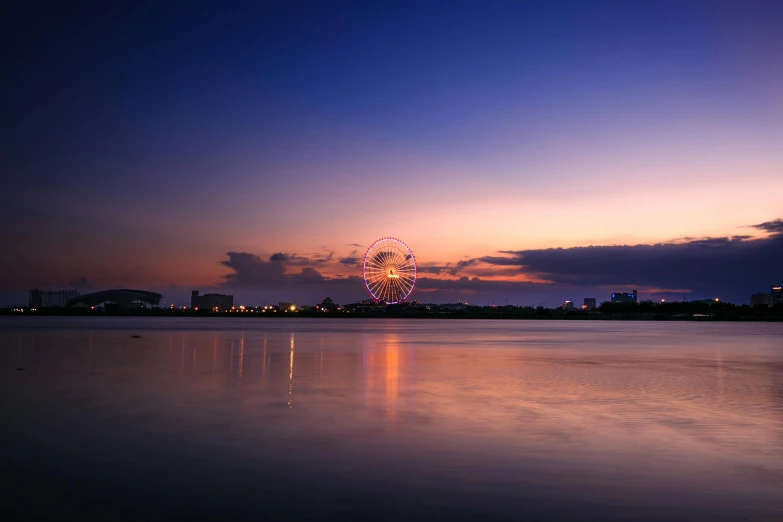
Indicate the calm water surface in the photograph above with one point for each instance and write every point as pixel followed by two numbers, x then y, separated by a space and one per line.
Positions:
pixel 391 420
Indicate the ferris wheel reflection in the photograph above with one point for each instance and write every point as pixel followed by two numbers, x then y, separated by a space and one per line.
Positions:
pixel 384 366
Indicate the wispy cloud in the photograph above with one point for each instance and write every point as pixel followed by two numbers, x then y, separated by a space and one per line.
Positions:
pixel 300 260
pixel 773 227
pixel 349 261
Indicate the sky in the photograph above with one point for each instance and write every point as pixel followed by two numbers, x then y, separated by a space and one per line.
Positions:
pixel 526 152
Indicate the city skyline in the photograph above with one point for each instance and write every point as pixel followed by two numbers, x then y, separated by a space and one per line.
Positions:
pixel 535 152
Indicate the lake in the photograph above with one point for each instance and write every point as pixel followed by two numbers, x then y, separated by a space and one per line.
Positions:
pixel 338 419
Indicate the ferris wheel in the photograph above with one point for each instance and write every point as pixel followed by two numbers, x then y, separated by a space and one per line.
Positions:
pixel 389 271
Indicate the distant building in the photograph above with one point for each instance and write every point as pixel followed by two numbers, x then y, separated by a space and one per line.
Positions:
pixel 283 306
pixel 761 299
pixel 117 299
pixel 55 299
pixel 211 301
pixel 589 303
pixel 327 305
pixel 365 304
pixel 622 297
pixel 777 294
pixel 705 301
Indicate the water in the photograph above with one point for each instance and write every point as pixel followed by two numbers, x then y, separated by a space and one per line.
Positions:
pixel 391 420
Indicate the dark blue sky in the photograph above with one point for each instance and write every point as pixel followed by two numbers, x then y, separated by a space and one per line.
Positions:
pixel 142 143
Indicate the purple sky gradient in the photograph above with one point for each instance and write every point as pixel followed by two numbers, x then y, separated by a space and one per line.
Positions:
pixel 142 145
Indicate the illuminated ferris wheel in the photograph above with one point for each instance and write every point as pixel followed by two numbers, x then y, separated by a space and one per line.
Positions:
pixel 389 271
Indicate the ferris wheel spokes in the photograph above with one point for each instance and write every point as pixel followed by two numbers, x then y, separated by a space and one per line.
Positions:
pixel 389 271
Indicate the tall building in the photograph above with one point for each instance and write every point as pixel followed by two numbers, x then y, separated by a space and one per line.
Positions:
pixel 777 294
pixel 761 299
pixel 54 299
pixel 211 301
pixel 589 303
pixel 622 297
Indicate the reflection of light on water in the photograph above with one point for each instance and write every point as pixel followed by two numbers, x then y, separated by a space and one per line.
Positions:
pixel 719 371
pixel 291 362
pixel 231 358
pixel 241 356
pixel 392 377
pixel 291 371
pixel 214 355
pixel 555 412
pixel 382 376
pixel 263 363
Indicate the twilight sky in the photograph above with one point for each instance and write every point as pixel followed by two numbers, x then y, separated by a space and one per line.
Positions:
pixel 528 151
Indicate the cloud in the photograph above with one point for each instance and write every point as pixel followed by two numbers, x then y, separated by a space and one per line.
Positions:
pixel 323 259
pixel 475 284
pixel 433 269
pixel 465 263
pixel 349 261
pixel 291 259
pixel 80 283
pixel 773 227
pixel 709 265
pixel 251 270
pixel 479 290
pixel 502 261
pixel 297 260
pixel 307 275
pixel 449 268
